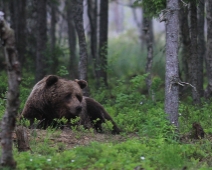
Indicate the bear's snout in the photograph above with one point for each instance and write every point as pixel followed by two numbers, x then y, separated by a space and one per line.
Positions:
pixel 78 109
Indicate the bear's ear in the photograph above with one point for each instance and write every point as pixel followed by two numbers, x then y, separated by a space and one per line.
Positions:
pixel 82 83
pixel 51 80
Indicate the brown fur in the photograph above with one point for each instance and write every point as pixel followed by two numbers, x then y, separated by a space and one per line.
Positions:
pixel 198 131
pixel 55 97
pixel 98 115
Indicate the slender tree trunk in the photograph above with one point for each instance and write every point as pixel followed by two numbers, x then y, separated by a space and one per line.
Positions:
pixel 185 39
pixel 41 39
pixel 92 14
pixel 208 90
pixel 31 35
pixel 18 23
pixel 77 7
pixel 201 45
pixel 148 34
pixel 72 42
pixel 193 60
pixel 103 41
pixel 172 70
pixel 54 56
pixel 13 71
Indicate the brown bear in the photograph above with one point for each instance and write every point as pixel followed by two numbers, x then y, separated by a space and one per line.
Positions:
pixel 54 97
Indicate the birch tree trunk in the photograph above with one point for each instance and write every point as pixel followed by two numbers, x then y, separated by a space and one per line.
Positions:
pixel 77 11
pixel 172 70
pixel 208 90
pixel 13 71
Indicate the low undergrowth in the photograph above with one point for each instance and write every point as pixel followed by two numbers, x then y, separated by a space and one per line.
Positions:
pixel 148 141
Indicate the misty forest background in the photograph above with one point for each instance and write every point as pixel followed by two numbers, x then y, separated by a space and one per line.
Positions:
pixel 148 62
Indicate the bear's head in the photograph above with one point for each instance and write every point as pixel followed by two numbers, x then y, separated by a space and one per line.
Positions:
pixel 65 96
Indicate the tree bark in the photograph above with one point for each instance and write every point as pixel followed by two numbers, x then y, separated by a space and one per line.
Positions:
pixel 41 39
pixel 103 41
pixel 185 39
pixel 208 90
pixel 77 7
pixel 18 23
pixel 92 15
pixel 54 56
pixel 201 45
pixel 193 59
pixel 148 36
pixel 72 42
pixel 172 70
pixel 14 78
pixel 22 139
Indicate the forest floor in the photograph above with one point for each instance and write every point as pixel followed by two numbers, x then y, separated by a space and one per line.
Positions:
pixel 72 138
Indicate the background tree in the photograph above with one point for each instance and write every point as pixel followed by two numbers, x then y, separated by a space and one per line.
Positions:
pixel 201 44
pixel 193 59
pixel 41 39
pixel 172 70
pixel 208 90
pixel 103 41
pixel 13 71
pixel 77 11
pixel 185 41
pixel 53 12
pixel 73 67
pixel 18 23
pixel 148 37
pixel 92 15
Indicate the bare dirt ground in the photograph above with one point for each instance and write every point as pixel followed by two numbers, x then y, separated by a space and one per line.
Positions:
pixel 72 138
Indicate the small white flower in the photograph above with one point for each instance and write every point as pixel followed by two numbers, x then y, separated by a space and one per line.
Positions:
pixel 72 160
pixel 48 160
pixel 142 157
pixel 30 159
pixel 180 114
pixel 173 122
pixel 141 102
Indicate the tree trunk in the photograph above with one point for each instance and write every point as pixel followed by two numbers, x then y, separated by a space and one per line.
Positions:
pixel 172 70
pixel 103 41
pixel 31 35
pixel 72 42
pixel 92 15
pixel 22 139
pixel 54 56
pixel 185 39
pixel 41 39
pixel 18 23
pixel 148 36
pixel 201 45
pixel 77 7
pixel 13 71
pixel 193 59
pixel 208 90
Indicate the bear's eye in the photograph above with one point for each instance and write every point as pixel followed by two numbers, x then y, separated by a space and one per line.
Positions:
pixel 79 97
pixel 68 96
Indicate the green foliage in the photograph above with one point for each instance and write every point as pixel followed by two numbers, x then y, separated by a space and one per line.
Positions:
pixel 62 71
pixel 152 7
